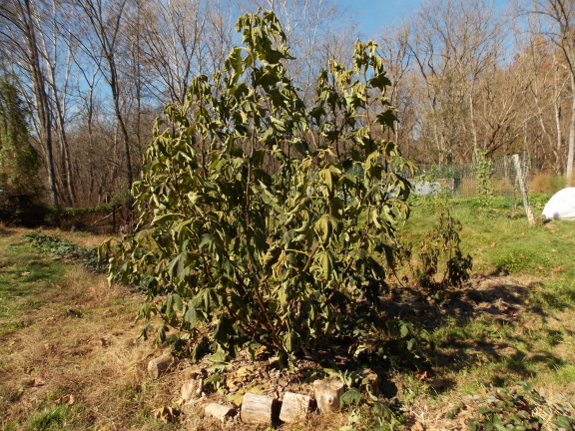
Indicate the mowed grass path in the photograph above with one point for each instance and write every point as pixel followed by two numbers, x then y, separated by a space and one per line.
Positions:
pixel 68 355
pixel 23 274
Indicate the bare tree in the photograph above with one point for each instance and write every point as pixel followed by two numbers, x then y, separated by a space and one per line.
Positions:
pixel 58 48
pixel 19 21
pixel 103 35
pixel 175 31
pixel 453 44
pixel 556 22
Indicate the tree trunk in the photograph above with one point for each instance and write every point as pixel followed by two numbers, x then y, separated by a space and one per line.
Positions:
pixel 473 127
pixel 42 104
pixel 557 108
pixel 122 124
pixel 569 170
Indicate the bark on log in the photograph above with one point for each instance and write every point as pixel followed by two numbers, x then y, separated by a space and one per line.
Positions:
pixel 295 407
pixel 219 411
pixel 258 409
pixel 327 394
pixel 159 365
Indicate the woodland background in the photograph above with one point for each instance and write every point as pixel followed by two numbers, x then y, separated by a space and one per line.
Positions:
pixel 82 81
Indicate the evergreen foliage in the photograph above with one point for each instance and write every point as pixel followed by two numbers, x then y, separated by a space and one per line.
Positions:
pixel 19 161
pixel 275 249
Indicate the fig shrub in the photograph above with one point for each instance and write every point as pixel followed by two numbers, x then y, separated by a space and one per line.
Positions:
pixel 267 219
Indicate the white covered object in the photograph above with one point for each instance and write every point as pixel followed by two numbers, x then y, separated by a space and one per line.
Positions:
pixel 562 205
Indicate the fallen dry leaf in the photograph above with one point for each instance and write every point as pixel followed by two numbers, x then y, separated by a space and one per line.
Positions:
pixel 165 414
pixel 34 383
pixel 25 274
pixel 553 250
pixel 67 399
pixel 541 267
pixel 558 269
pixel 493 244
pixel 522 233
pixel 417 427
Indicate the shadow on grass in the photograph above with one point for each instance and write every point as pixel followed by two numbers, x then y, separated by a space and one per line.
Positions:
pixel 479 324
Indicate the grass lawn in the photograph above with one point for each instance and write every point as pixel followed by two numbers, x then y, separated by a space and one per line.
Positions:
pixel 69 358
pixel 520 321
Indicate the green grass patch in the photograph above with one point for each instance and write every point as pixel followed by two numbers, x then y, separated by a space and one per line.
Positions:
pixel 501 242
pixel 23 274
pixel 49 418
pixel 534 339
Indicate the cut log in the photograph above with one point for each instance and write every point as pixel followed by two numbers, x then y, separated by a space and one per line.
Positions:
pixel 327 394
pixel 370 382
pixel 219 411
pixel 192 389
pixel 259 409
pixel 159 365
pixel 295 407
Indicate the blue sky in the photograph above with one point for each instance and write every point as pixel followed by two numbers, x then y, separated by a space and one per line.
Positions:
pixel 375 14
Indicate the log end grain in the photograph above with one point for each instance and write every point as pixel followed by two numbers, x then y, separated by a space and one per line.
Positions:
pixel 327 394
pixel 159 365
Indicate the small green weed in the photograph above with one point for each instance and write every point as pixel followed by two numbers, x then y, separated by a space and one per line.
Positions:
pixel 483 173
pixel 439 249
pixel 519 408
pixel 376 416
pixel 49 418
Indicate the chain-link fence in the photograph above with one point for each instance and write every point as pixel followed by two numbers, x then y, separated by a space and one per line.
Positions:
pixel 462 180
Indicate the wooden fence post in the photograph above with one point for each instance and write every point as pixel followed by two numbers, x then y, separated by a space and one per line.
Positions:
pixel 523 187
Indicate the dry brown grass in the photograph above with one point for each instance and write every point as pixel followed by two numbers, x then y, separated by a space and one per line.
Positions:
pixel 79 341
pixel 546 183
pixel 78 345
